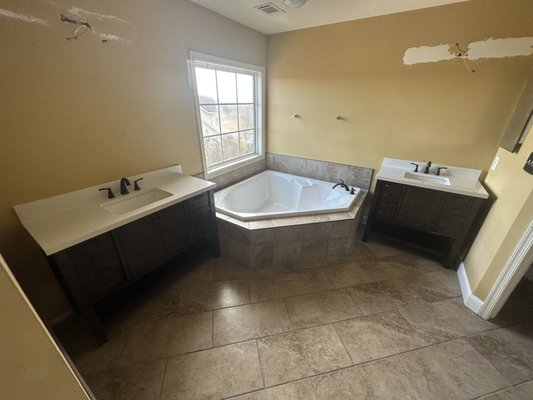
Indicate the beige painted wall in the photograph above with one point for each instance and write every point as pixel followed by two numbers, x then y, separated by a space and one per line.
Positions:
pixel 80 112
pixel 507 221
pixel 31 366
pixel 435 111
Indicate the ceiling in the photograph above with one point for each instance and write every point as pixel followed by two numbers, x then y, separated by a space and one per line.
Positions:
pixel 313 13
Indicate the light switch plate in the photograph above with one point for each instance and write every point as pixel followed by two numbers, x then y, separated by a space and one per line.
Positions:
pixel 528 166
pixel 494 163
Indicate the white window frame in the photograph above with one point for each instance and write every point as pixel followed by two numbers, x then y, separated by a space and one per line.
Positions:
pixel 259 91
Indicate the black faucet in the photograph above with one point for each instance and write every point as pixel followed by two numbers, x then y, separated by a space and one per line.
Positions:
pixel 123 183
pixel 342 184
pixel 427 167
pixel 110 194
pixel 136 184
pixel 438 170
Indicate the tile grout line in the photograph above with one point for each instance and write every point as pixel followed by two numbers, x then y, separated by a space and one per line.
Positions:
pixel 346 260
pixel 342 341
pixel 502 389
pixel 260 364
pixel 324 324
pixel 331 323
pixel 292 327
pixel 163 380
pixel 377 359
pixel 249 294
pixel 288 314
pixel 355 302
pixel 212 327
pixel 451 340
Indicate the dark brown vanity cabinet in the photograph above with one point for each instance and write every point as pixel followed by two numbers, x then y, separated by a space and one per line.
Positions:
pixel 147 242
pixel 436 222
pixel 95 268
pixel 98 265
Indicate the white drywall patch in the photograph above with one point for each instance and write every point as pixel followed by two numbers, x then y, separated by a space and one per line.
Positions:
pixel 500 48
pixel 490 48
pixel 427 54
pixel 108 28
pixel 78 12
pixel 22 17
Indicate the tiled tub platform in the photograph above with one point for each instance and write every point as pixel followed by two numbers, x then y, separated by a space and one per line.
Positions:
pixel 301 241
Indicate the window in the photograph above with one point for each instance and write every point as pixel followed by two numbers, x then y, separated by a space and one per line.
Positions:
pixel 230 112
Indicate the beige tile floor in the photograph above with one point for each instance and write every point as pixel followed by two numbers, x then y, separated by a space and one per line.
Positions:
pixel 381 324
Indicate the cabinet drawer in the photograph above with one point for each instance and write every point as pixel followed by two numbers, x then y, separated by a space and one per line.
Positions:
pixel 448 224
pixel 200 201
pixel 385 213
pixel 98 266
pixel 200 213
pixel 386 202
pixel 455 205
pixel 200 208
pixel 390 190
pixel 388 199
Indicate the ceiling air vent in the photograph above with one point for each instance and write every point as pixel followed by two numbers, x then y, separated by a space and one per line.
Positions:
pixel 269 9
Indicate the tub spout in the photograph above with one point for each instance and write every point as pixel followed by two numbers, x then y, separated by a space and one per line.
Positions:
pixel 342 184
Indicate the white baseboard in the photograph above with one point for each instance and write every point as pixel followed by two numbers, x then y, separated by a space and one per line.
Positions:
pixel 471 301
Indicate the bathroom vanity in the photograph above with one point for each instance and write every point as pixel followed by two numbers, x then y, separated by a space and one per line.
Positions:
pixel 433 214
pixel 97 246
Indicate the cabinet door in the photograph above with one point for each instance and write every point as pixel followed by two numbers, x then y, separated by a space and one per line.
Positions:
pixel 98 266
pixel 419 207
pixel 141 245
pixel 174 226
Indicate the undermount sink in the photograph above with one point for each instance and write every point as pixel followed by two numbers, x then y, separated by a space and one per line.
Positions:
pixel 135 201
pixel 439 180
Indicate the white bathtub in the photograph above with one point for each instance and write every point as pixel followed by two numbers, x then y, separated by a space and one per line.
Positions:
pixel 272 194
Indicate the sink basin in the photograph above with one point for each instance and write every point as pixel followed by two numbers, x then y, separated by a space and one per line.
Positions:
pixel 134 201
pixel 439 180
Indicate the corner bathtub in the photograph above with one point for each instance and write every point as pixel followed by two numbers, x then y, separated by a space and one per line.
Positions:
pixel 272 194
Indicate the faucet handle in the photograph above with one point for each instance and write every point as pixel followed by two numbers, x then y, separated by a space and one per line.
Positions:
pixel 110 193
pixel 136 185
pixel 438 170
pixel 416 167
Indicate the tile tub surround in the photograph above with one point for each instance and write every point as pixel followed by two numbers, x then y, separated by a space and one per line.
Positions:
pixel 301 241
pixel 322 170
pixel 229 178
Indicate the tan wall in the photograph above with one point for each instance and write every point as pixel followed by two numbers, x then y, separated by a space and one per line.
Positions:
pixel 80 112
pixel 507 221
pixel 434 111
pixel 31 366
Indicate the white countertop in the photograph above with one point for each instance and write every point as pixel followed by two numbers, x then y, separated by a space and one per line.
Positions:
pixel 62 221
pixel 462 180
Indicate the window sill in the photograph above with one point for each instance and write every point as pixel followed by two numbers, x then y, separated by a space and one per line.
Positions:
pixel 234 165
